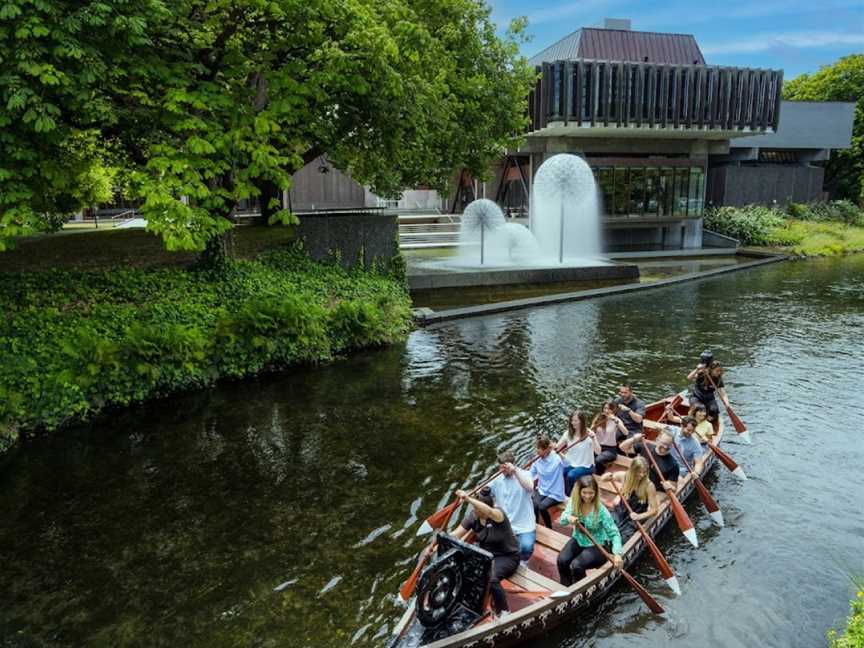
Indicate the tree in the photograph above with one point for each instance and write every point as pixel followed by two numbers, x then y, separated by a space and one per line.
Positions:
pixel 842 81
pixel 210 101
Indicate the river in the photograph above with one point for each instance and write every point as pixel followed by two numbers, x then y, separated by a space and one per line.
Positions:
pixel 282 511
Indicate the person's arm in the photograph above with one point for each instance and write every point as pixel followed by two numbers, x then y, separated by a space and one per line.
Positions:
pixel 595 444
pixel 695 373
pixel 721 393
pixel 628 445
pixel 653 505
pixel 671 480
pixel 671 416
pixel 621 427
pixel 635 414
pixel 698 459
pixel 524 479
pixel 564 520
pixel 483 509
pixel 611 531
pixel 460 532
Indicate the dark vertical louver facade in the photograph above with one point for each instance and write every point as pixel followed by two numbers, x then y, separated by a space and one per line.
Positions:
pixel 596 93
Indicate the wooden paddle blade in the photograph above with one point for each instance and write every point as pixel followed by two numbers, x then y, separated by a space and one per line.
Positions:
pixel 659 558
pixel 740 428
pixel 729 462
pixel 710 503
pixel 649 600
pixel 438 520
pixel 408 587
pixel 682 519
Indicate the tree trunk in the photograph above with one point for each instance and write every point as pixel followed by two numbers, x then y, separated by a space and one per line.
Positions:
pixel 218 253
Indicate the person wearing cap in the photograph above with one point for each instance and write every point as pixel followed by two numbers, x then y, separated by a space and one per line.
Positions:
pixel 494 534
pixel 707 379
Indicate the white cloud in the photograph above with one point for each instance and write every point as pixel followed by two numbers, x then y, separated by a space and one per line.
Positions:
pixel 794 40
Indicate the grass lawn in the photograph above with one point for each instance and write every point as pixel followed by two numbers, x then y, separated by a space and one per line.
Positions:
pixel 126 248
pixel 823 239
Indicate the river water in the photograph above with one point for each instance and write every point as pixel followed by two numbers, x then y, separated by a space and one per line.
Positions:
pixel 282 511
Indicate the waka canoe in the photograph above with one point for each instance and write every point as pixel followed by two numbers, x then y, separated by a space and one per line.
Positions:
pixel 538 602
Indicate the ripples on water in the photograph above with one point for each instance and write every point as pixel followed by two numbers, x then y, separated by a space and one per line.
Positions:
pixel 282 511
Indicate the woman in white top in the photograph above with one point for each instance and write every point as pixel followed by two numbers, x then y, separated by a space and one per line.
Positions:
pixel 580 444
pixel 608 427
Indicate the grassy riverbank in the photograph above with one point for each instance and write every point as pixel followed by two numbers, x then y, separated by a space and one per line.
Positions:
pixel 853 635
pixel 826 229
pixel 76 341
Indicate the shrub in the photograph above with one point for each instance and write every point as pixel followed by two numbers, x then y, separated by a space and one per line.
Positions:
pixel 76 342
pixel 751 225
pixel 853 637
pixel 839 211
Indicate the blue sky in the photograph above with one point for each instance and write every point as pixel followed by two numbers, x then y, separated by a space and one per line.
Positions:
pixel 793 35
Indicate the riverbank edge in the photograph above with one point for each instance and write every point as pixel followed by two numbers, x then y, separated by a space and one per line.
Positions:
pixel 172 330
pixel 426 317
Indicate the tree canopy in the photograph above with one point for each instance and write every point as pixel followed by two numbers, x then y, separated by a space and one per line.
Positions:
pixel 202 103
pixel 842 81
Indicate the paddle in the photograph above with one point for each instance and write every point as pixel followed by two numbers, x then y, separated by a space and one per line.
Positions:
pixel 727 461
pixel 662 563
pixel 681 516
pixel 641 591
pixel 724 458
pixel 740 428
pixel 709 502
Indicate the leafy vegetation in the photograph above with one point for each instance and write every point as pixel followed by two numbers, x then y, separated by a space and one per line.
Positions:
pixel 819 229
pixel 74 342
pixel 853 637
pixel 842 81
pixel 204 104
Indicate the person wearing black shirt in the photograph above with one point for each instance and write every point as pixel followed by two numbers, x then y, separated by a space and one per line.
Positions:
pixel 494 534
pixel 704 391
pixel 631 410
pixel 661 450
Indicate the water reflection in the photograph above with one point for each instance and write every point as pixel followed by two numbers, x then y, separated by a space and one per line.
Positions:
pixel 282 511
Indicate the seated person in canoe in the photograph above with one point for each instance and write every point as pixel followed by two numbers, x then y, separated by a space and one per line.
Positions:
pixel 494 534
pixel 577 447
pixel 512 491
pixel 609 429
pixel 547 470
pixel 580 554
pixel 640 493
pixel 661 451
pixel 631 410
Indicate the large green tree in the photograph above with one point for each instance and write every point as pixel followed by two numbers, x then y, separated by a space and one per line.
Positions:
pixel 842 81
pixel 206 102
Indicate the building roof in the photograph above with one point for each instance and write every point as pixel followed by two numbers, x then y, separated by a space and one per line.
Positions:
pixel 623 45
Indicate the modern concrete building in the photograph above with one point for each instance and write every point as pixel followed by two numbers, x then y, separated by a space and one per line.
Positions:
pixel 666 133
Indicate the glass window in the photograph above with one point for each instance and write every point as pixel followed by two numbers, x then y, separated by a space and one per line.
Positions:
pixel 606 184
pixel 652 190
pixel 697 198
pixel 665 195
pixel 622 191
pixel 637 191
pixel 682 175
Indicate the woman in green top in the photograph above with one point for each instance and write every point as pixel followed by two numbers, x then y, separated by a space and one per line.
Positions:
pixel 580 554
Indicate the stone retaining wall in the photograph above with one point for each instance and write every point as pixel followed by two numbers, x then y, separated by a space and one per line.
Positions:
pixel 355 238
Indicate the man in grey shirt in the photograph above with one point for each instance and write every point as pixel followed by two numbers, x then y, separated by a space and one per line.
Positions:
pixel 631 410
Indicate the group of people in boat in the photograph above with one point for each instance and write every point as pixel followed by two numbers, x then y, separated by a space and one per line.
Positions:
pixel 504 515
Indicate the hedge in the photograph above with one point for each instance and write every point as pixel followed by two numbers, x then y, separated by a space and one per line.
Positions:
pixel 76 342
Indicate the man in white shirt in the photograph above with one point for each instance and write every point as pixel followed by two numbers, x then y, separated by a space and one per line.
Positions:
pixel 512 492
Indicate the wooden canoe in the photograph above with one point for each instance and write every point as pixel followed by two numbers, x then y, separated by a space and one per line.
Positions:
pixel 534 611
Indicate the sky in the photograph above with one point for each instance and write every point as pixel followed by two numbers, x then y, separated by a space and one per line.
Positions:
pixel 797 36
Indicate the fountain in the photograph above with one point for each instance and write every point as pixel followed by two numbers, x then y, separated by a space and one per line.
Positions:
pixel 561 243
pixel 564 221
